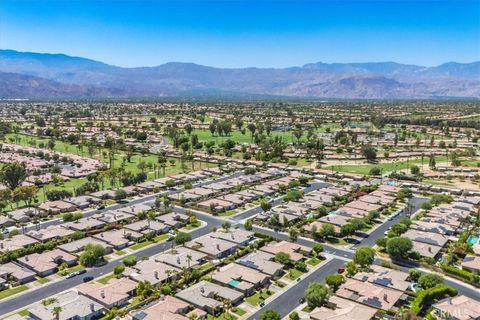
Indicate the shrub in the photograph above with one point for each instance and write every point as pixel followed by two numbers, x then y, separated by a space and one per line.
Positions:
pixel 130 261
pixel 426 297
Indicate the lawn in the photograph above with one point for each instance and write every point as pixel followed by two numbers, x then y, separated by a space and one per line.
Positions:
pixel 42 280
pixel 23 313
pixel 239 311
pixel 10 292
pixel 364 169
pixel 161 237
pixel 223 316
pixel 294 273
pixel 313 261
pixel 105 279
pixel 120 253
pixel 141 245
pixel 259 296
pixel 75 268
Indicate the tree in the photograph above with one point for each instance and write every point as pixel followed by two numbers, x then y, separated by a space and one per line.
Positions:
pixel 92 255
pixel 13 174
pixel 317 248
pixel 399 247
pixel 226 226
pixel 265 205
pixel 316 294
pixel 334 281
pixel 364 256
pixel 375 171
pixel 369 152
pixel 270 315
pixel 351 268
pixel 118 270
pixel 182 238
pixel 293 234
pixel 249 225
pixel 415 170
pixel 56 312
pixel 130 261
pixel 347 230
pixel 327 230
pixel 282 257
pixel 294 316
pixel 429 280
pixel 415 274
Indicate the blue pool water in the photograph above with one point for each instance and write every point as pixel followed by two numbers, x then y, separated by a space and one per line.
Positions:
pixel 234 283
pixel 473 239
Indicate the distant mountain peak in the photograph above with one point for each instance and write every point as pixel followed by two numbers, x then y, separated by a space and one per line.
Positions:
pixel 37 74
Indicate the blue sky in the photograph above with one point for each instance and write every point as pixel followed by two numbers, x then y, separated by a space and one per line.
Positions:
pixel 234 33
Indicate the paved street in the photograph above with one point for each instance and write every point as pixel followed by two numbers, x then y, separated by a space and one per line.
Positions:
pixel 290 299
pixel 283 304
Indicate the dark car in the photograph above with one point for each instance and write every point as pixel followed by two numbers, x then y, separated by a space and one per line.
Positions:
pixel 302 300
pixel 87 278
pixel 81 271
pixel 341 270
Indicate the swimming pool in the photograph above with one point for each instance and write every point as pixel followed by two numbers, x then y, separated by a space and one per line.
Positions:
pixel 234 283
pixel 473 239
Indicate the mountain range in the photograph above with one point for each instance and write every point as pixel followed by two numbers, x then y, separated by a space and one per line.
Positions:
pixel 26 75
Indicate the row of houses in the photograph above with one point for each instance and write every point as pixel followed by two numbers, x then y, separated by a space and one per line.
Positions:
pixel 356 209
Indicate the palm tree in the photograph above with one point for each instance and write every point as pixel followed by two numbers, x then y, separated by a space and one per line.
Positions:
pixel 56 312
pixel 150 217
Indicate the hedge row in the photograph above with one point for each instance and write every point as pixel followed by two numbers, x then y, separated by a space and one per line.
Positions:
pixel 426 297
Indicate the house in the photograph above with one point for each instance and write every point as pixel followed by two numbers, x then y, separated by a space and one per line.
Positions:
pixel 56 207
pixel 386 277
pixel 209 296
pixel 83 202
pixel 85 224
pixel 77 246
pixel 214 247
pixel 433 227
pixel 296 251
pixel 237 236
pixel 182 257
pixel 6 222
pixel 18 273
pixel 16 242
pixel 148 227
pixel 49 233
pixel 114 216
pixel 216 205
pixel 47 262
pixel 239 277
pixel 118 239
pixel 370 294
pixel 152 271
pixel 173 219
pixel 115 293
pixel 471 263
pixel 24 215
pixel 426 237
pixel 426 249
pixel 104 194
pixel 457 308
pixel 166 308
pixel 342 309
pixel 136 209
pixel 263 262
pixel 73 306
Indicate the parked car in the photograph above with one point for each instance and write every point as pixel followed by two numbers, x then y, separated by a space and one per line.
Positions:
pixel 71 275
pixel 341 270
pixel 87 278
